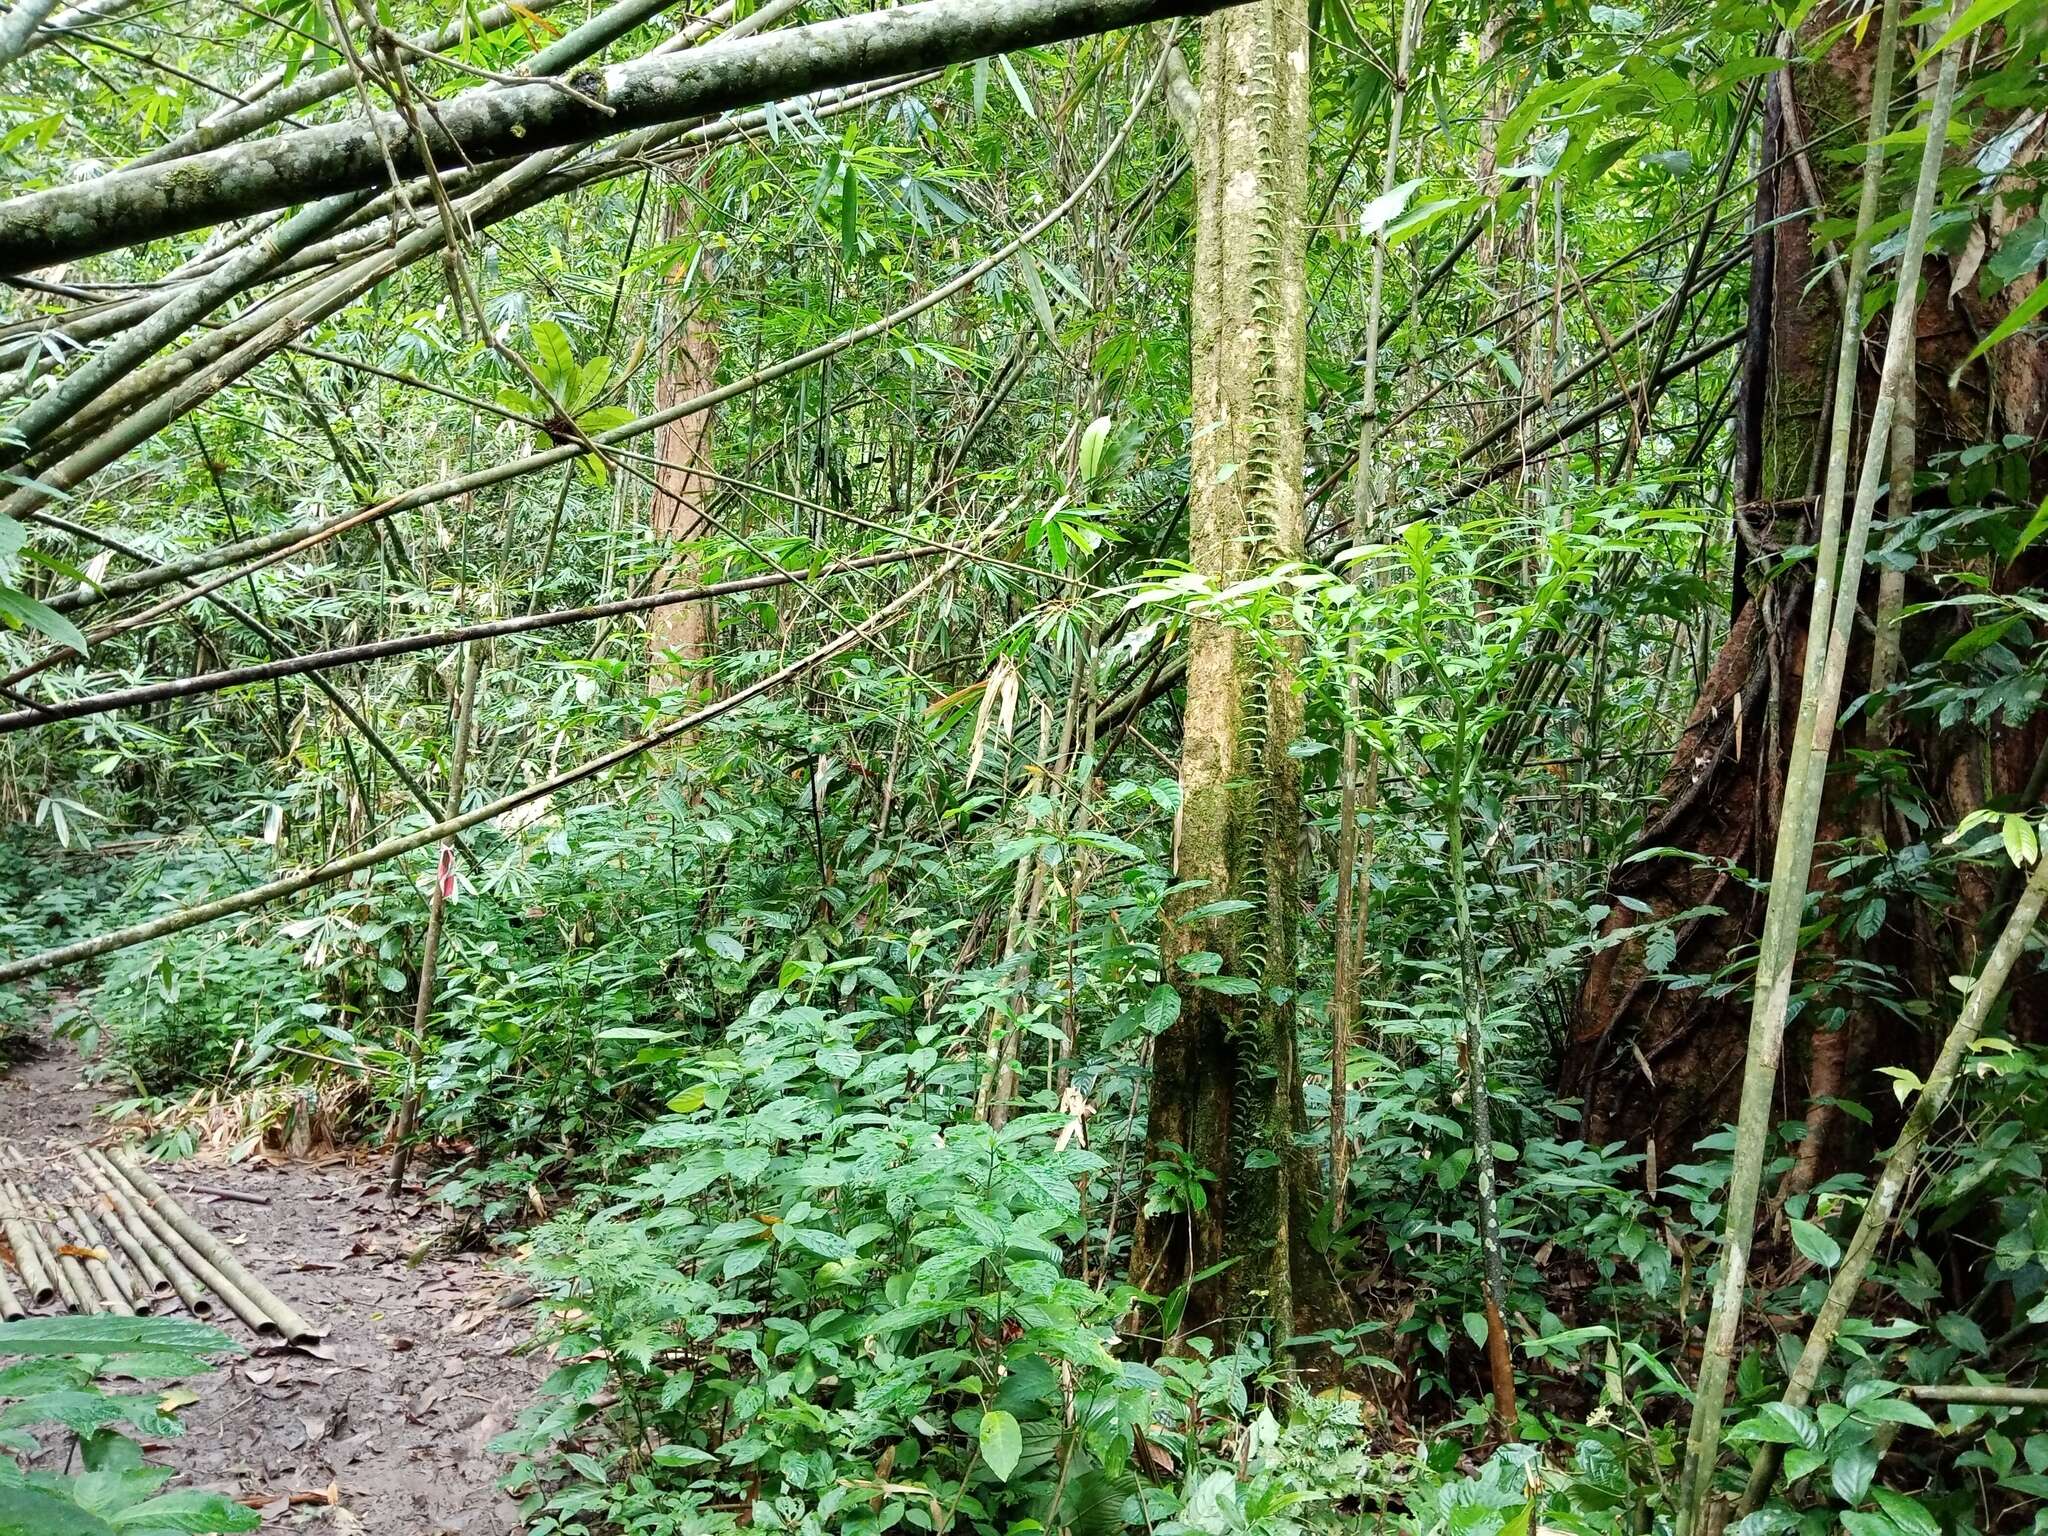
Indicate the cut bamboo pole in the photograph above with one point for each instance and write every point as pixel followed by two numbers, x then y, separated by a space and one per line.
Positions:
pixel 11 1309
pixel 294 1328
pixel 72 1280
pixel 38 1243
pixel 132 1291
pixel 202 1270
pixel 97 1279
pixel 161 1254
pixel 28 1258
pixel 147 1272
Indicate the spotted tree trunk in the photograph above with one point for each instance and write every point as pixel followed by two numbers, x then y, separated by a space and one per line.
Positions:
pixel 1226 1088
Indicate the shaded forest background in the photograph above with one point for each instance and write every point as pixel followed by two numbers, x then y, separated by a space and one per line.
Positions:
pixel 1062 776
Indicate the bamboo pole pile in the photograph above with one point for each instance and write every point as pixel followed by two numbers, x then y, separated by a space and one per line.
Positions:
pixel 94 1233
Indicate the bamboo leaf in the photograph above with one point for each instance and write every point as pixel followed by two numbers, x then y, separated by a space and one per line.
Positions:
pixel 1977 16
pixel 24 612
pixel 2022 313
pixel 1092 440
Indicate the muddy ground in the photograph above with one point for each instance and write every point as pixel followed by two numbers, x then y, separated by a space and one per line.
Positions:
pixel 383 1428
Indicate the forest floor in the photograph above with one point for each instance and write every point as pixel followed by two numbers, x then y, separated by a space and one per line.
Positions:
pixel 384 1426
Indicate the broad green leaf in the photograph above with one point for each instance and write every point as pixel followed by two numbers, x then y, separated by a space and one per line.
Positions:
pixel 554 355
pixel 1908 1514
pixel 1963 1332
pixel 111 1336
pixel 605 418
pixel 1002 1442
pixel 109 1490
pixel 32 1512
pixel 1852 1472
pixel 1816 1244
pixel 188 1509
pixel 1781 1424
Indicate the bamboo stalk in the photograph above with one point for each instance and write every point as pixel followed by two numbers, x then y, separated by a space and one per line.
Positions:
pixel 133 1290
pixel 1350 938
pixel 150 1278
pixel 288 665
pixel 77 219
pixel 390 848
pixel 72 1280
pixel 294 1328
pixel 75 1289
pixel 1899 1166
pixel 126 1217
pixel 99 1279
pixel 437 912
pixel 1837 581
pixel 1975 1396
pixel 1478 1008
pixel 204 1272
pixel 28 1259
pixel 11 1309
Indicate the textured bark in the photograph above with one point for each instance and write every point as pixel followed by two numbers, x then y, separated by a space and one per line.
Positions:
pixel 1226 1081
pixel 680 636
pixel 19 25
pixel 1662 1066
pixel 151 203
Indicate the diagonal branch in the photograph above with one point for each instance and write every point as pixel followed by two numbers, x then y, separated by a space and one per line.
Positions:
pixel 66 222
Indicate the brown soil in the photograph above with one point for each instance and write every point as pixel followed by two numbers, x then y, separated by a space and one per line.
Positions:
pixel 390 1417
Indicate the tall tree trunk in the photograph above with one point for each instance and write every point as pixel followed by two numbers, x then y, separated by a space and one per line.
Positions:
pixel 1226 1085
pixel 680 636
pixel 1659 1065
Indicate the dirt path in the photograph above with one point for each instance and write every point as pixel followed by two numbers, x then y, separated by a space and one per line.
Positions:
pixel 419 1369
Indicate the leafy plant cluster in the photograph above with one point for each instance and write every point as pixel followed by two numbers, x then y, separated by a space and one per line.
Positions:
pixel 58 1409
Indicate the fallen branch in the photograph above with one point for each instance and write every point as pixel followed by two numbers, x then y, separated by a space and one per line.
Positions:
pixel 154 202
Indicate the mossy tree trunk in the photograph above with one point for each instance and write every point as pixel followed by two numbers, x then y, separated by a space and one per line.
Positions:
pixel 1226 1084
